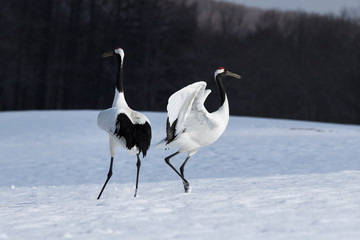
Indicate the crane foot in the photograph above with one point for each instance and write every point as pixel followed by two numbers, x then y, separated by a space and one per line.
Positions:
pixel 186 186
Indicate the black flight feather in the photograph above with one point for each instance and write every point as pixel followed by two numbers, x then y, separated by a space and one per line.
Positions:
pixel 138 135
pixel 170 131
pixel 142 133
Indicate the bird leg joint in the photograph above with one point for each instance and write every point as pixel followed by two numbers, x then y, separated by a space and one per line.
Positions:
pixel 138 163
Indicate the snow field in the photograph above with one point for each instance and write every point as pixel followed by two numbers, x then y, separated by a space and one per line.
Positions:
pixel 263 179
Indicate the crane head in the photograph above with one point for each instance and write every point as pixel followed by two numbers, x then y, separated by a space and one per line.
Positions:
pixel 118 51
pixel 222 72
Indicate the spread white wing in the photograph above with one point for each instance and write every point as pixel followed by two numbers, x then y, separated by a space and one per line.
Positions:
pixel 187 99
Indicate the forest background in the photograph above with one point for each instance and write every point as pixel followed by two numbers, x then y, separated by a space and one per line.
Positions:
pixel 293 64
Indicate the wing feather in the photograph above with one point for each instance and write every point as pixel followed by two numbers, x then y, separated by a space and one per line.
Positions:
pixel 182 98
pixel 125 128
pixel 142 134
pixel 191 97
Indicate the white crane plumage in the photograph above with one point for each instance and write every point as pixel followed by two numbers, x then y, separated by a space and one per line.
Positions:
pixel 126 127
pixel 189 125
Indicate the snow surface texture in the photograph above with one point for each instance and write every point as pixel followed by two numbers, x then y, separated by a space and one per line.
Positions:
pixel 263 179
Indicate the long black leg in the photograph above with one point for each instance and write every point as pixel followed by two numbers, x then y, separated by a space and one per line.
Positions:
pixel 138 164
pixel 167 160
pixel 108 177
pixel 186 184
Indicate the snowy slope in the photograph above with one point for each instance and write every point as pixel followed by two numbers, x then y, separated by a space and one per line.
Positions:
pixel 315 6
pixel 263 179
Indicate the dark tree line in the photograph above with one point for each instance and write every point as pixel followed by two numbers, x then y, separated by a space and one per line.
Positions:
pixel 294 65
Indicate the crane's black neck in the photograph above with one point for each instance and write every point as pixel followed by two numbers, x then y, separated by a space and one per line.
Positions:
pixel 221 88
pixel 119 76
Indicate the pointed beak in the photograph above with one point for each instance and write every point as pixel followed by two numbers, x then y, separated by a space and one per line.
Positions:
pixel 108 54
pixel 233 75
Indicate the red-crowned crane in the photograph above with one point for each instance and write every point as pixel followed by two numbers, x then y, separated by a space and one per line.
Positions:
pixel 189 125
pixel 126 127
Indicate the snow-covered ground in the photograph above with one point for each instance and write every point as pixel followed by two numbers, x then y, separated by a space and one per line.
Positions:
pixel 263 179
pixel 314 6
